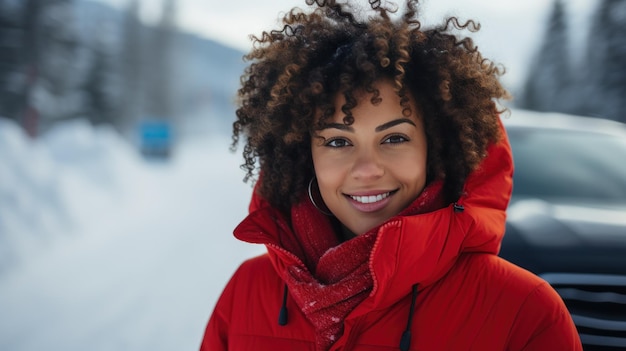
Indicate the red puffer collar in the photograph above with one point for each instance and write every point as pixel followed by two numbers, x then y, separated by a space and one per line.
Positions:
pixel 416 249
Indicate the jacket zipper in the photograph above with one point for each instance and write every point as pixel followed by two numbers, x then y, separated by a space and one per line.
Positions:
pixel 287 253
pixel 355 331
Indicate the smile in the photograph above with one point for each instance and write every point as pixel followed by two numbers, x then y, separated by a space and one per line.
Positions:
pixel 371 203
pixel 370 199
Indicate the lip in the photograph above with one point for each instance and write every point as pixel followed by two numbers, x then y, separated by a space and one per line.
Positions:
pixel 371 206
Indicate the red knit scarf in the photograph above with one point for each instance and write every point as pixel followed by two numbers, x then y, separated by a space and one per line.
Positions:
pixel 337 276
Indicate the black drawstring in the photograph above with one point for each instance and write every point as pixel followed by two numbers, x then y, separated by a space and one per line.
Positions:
pixel 282 315
pixel 405 342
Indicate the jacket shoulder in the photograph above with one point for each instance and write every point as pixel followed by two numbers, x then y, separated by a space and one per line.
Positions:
pixel 499 273
pixel 229 312
pixel 255 275
pixel 532 311
pixel 259 265
pixel 246 315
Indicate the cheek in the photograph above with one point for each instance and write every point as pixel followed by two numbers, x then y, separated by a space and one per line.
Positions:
pixel 329 174
pixel 320 166
pixel 412 170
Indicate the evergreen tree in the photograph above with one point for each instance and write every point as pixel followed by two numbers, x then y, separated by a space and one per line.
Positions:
pixel 549 78
pixel 21 76
pixel 160 79
pixel 99 105
pixel 57 94
pixel 131 69
pixel 36 64
pixel 11 70
pixel 606 79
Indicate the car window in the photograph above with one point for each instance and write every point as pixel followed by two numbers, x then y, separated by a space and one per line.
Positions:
pixel 568 164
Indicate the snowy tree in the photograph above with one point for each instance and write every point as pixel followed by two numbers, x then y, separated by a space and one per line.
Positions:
pixel 597 85
pixel 57 93
pixel 21 33
pixel 131 68
pixel 606 72
pixel 546 87
pixel 11 70
pixel 160 79
pixel 100 104
pixel 39 70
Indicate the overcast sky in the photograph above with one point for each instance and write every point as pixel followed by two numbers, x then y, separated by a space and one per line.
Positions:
pixel 509 35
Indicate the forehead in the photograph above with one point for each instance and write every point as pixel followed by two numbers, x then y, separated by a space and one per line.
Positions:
pixel 383 101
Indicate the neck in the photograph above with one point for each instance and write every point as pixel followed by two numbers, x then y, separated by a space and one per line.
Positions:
pixel 346 234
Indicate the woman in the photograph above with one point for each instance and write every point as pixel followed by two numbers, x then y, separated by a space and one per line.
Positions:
pixel 384 179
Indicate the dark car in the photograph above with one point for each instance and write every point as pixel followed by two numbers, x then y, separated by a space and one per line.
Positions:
pixel 567 217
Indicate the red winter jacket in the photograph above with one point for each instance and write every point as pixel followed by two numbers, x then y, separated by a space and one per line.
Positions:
pixel 469 298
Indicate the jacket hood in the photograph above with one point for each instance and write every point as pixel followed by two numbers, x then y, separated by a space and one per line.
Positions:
pixel 416 249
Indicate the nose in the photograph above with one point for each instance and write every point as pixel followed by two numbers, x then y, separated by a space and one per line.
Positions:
pixel 367 166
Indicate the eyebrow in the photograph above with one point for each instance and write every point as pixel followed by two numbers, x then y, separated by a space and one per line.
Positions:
pixel 380 128
pixel 395 122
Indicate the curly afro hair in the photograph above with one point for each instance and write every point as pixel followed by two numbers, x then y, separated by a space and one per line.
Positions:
pixel 288 89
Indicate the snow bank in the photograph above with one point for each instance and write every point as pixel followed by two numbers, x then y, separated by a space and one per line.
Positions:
pixel 102 250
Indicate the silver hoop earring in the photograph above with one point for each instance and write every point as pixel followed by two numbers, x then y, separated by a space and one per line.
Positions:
pixel 310 191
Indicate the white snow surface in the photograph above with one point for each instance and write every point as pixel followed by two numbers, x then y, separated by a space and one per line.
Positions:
pixel 103 250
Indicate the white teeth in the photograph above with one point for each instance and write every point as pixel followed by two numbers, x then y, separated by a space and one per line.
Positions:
pixel 369 199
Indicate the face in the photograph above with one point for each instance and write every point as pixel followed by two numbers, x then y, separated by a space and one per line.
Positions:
pixel 372 169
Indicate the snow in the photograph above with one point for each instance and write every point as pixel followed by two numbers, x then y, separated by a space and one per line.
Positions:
pixel 103 250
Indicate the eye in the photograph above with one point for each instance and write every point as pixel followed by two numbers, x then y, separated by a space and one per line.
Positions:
pixel 395 139
pixel 337 143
